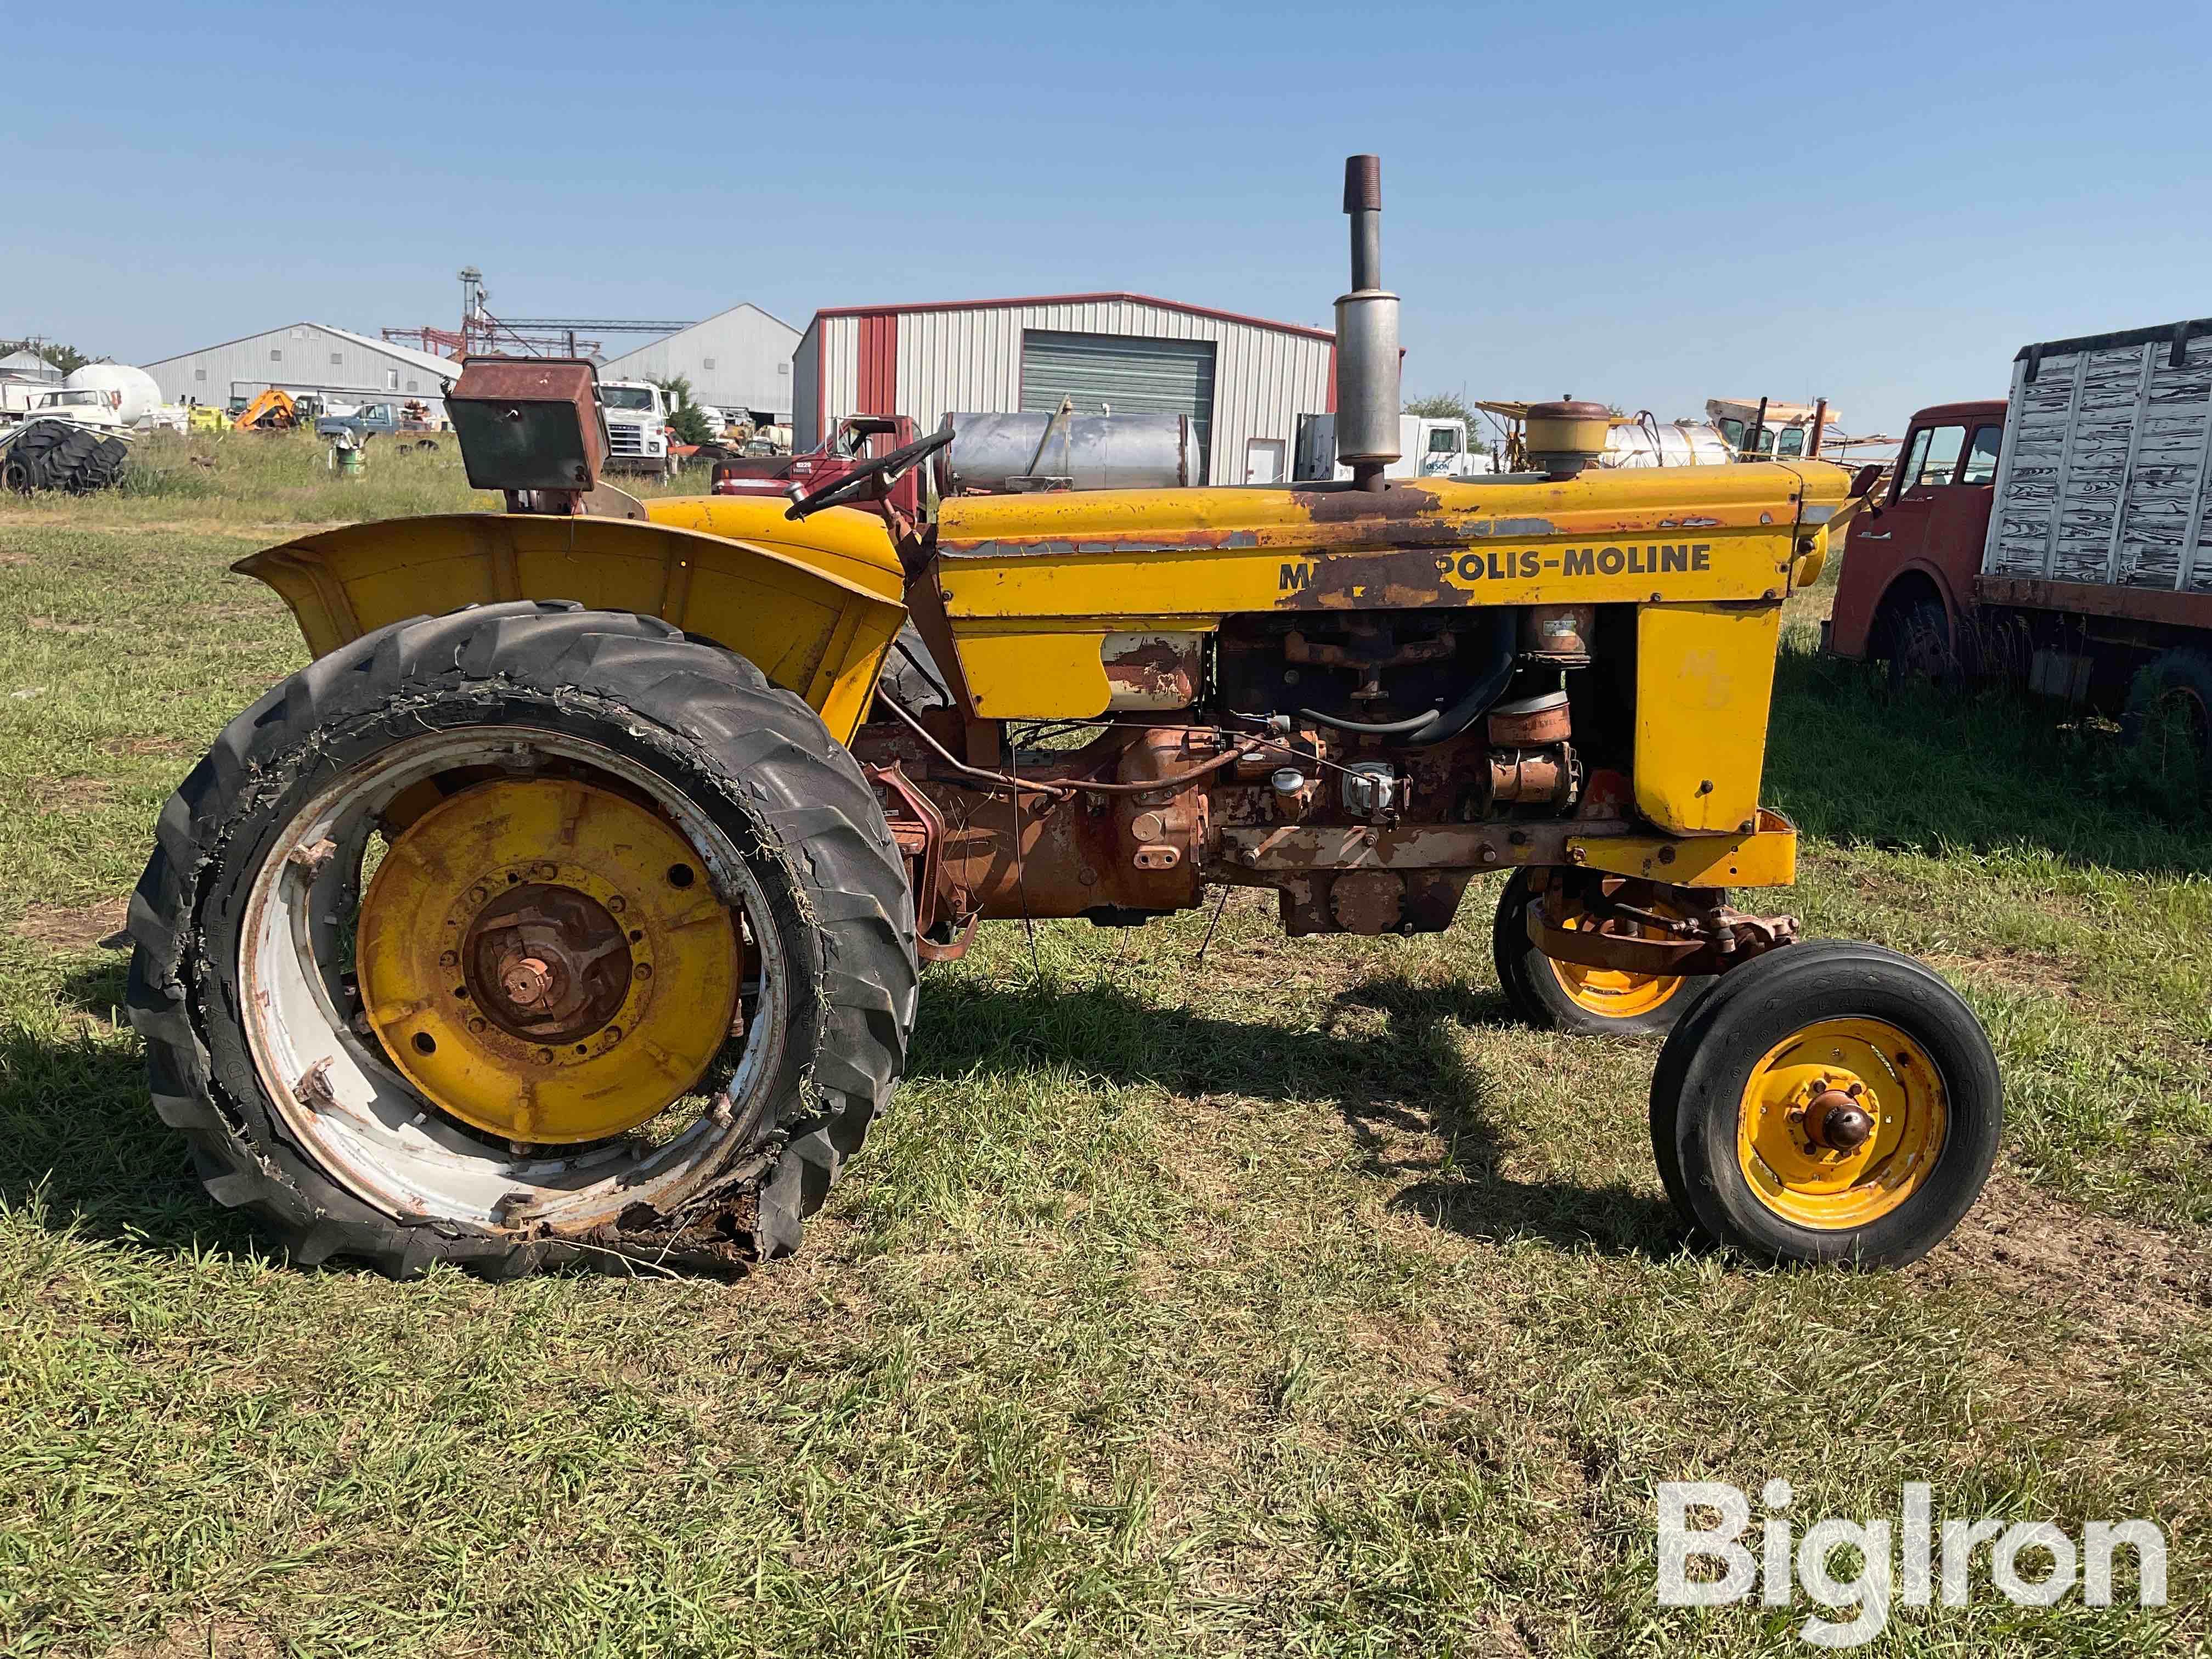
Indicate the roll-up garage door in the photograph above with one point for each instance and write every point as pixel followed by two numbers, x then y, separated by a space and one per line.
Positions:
pixel 1130 375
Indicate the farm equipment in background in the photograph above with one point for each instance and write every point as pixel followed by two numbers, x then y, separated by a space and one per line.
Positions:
pixel 2057 540
pixel 272 411
pixel 571 903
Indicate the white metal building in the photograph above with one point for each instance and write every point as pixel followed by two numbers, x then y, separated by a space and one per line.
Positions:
pixel 1243 380
pixel 737 359
pixel 304 357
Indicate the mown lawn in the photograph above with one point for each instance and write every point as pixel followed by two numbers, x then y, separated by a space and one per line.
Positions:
pixel 1295 1301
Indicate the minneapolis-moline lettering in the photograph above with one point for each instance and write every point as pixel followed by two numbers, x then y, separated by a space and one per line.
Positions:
pixel 1497 564
pixel 1637 561
pixel 1294 578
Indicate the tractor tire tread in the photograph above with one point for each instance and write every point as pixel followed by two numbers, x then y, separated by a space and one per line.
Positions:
pixel 766 749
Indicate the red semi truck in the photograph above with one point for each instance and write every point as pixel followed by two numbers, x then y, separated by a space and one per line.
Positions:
pixel 2056 538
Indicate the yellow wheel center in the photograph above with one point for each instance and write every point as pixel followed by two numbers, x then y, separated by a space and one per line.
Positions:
pixel 1841 1123
pixel 1615 992
pixel 547 960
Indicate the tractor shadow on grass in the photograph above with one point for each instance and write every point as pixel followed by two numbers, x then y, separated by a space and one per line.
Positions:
pixel 79 1140
pixel 1386 1059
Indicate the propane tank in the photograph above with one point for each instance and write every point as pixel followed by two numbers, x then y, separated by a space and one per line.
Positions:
pixel 132 391
pixel 1367 402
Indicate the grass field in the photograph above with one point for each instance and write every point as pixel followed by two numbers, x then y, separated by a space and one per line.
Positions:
pixel 1295 1303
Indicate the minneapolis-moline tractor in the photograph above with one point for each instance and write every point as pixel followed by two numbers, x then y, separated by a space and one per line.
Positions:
pixel 572 901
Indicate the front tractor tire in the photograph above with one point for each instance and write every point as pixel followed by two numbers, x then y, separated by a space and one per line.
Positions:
pixel 1566 996
pixel 520 935
pixel 1827 1102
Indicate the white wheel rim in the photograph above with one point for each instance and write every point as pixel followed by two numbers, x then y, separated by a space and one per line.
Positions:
pixel 364 1125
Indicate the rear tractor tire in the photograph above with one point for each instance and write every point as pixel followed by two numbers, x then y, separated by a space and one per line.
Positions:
pixel 521 935
pixel 1827 1102
pixel 36 460
pixel 1566 996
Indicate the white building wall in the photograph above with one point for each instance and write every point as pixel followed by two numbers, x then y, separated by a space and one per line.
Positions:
pixel 302 357
pixel 971 359
pixel 737 359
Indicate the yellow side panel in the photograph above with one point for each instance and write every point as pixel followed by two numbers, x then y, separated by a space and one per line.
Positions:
pixel 1035 676
pixel 1704 675
pixel 808 629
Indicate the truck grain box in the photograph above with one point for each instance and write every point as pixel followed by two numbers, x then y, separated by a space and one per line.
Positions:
pixel 2056 539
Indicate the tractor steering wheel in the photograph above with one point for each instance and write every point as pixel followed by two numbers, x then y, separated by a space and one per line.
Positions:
pixel 882 472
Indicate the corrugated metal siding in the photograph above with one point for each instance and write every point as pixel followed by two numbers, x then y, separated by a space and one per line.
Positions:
pixel 806 388
pixel 304 362
pixel 1264 378
pixel 2108 457
pixel 751 351
pixel 1126 374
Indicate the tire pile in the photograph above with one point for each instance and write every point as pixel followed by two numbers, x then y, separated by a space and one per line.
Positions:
pixel 55 455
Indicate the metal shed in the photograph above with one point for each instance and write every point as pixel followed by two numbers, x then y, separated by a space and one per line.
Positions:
pixel 304 357
pixel 1243 380
pixel 737 359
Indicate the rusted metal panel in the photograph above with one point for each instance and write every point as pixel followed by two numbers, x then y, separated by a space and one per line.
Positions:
pixel 1153 670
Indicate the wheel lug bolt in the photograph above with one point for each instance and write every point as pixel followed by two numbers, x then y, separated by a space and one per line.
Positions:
pixel 544 1056
pixel 476 1025
pixel 615 903
pixel 448 958
pixel 643 970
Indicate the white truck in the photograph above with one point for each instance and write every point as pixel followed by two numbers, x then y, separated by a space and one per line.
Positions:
pixel 636 414
pixel 1429 447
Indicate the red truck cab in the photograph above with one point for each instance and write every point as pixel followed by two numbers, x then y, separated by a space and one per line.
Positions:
pixel 857 440
pixel 1908 566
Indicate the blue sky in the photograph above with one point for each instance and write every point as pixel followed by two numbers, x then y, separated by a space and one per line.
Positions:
pixel 1647 204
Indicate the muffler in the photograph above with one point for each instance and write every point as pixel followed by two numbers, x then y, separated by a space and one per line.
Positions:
pixel 1366 337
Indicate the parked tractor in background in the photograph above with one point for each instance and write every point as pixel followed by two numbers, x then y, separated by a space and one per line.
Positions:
pixel 571 903
pixel 2056 540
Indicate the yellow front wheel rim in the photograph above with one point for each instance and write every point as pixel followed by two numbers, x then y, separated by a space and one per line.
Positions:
pixel 547 960
pixel 1612 993
pixel 1615 992
pixel 1798 1137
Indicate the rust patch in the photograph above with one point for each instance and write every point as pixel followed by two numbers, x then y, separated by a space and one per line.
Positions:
pixel 1407 579
pixel 88 928
pixel 1367 901
pixel 1345 506
pixel 1148 671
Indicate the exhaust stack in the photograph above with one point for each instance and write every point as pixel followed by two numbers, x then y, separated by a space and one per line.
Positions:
pixel 1366 337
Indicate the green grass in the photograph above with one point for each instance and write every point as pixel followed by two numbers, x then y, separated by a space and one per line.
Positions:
pixel 1297 1303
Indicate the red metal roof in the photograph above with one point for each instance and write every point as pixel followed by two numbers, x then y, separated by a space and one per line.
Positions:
pixel 1079 299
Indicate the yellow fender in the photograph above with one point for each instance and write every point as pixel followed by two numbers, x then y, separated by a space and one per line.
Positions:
pixel 810 629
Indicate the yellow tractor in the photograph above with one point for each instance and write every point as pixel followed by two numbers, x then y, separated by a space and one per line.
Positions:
pixel 572 901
